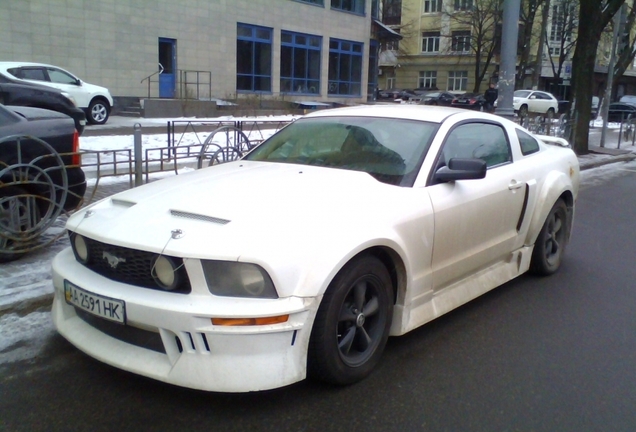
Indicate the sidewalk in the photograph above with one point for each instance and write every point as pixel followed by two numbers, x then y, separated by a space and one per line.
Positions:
pixel 610 153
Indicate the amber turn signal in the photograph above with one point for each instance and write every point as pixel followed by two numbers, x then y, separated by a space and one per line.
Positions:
pixel 249 321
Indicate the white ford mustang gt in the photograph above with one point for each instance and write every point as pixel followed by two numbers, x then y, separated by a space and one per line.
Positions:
pixel 300 259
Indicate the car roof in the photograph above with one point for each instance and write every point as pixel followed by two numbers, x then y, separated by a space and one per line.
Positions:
pixel 6 65
pixel 434 114
pixel 10 64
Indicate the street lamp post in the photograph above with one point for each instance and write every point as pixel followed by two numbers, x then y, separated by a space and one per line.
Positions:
pixel 509 36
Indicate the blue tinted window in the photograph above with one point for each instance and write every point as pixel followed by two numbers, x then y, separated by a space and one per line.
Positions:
pixel 253 58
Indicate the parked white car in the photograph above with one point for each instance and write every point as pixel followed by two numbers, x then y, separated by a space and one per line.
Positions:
pixel 345 227
pixel 96 101
pixel 525 101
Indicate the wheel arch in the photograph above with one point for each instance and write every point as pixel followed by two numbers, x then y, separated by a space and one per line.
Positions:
pixel 554 188
pixel 391 260
pixel 100 98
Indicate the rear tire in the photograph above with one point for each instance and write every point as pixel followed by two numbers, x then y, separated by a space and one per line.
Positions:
pixel 550 245
pixel 352 324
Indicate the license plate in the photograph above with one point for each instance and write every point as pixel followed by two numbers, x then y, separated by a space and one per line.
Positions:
pixel 101 306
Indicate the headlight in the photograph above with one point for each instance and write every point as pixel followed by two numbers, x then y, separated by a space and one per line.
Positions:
pixel 164 272
pixel 80 249
pixel 234 279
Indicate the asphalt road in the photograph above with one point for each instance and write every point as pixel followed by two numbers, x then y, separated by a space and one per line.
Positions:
pixel 537 354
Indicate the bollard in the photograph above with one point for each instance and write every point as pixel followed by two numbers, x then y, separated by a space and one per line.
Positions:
pixel 138 156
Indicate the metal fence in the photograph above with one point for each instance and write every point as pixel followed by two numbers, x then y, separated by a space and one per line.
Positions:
pixel 560 127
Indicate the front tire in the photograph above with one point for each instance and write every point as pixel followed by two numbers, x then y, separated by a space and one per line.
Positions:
pixel 523 111
pixel 352 324
pixel 98 112
pixel 550 245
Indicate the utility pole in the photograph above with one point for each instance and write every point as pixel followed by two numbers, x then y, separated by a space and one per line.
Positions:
pixel 509 36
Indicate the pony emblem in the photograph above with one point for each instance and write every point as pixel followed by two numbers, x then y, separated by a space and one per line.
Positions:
pixel 113 261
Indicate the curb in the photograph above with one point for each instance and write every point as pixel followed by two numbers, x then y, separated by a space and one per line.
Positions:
pixel 610 160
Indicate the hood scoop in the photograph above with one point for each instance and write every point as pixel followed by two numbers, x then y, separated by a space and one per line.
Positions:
pixel 195 216
pixel 122 203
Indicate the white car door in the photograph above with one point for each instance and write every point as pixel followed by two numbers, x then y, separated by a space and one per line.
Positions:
pixel 534 103
pixel 542 102
pixel 476 221
pixel 68 83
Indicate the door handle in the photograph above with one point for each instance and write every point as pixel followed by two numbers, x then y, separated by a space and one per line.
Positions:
pixel 514 184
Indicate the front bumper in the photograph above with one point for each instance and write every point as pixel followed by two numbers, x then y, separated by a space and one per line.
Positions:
pixel 178 343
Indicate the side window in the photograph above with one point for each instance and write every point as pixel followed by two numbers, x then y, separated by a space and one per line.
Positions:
pixel 33 74
pixel 61 77
pixel 477 140
pixel 528 144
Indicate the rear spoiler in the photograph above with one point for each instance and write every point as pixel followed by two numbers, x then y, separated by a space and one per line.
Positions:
pixel 561 142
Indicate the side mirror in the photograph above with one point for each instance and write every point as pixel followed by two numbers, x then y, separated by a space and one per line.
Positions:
pixel 461 169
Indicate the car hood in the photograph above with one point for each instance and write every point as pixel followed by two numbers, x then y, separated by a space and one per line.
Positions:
pixel 244 209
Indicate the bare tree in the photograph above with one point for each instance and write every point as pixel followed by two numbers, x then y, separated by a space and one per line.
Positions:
pixel 476 33
pixel 562 38
pixel 627 47
pixel 594 15
pixel 527 38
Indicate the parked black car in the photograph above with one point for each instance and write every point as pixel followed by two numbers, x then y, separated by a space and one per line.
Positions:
pixel 40 175
pixel 13 92
pixel 619 111
pixel 423 90
pixel 471 101
pixel 437 98
pixel 394 94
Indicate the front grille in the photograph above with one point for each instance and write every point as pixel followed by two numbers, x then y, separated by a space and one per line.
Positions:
pixel 130 266
pixel 132 335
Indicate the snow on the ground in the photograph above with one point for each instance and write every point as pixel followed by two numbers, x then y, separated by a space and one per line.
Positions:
pixel 22 337
pixel 29 278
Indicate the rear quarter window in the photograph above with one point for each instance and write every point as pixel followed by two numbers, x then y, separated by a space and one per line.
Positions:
pixel 528 143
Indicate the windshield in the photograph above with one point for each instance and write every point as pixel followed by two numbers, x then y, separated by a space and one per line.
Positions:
pixel 391 150
pixel 522 93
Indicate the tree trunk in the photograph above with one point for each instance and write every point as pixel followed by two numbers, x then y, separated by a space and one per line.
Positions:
pixel 593 17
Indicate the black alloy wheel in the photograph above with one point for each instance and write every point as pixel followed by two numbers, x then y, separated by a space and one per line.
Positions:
pixel 550 245
pixel 352 324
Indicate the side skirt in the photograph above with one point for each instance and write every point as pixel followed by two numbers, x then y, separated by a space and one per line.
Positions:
pixel 463 291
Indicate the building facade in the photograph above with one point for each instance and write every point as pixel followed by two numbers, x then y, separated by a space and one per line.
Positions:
pixel 438 49
pixel 446 46
pixel 279 49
